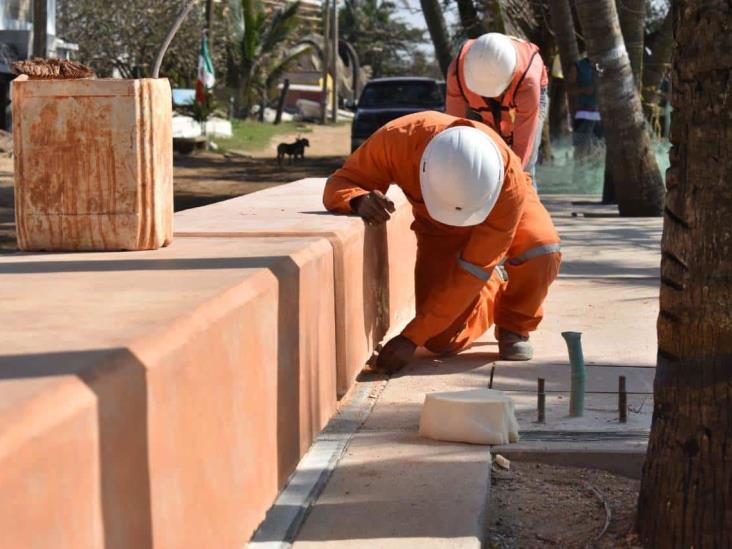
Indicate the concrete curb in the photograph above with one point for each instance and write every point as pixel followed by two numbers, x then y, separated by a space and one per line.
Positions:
pixel 620 453
pixel 291 508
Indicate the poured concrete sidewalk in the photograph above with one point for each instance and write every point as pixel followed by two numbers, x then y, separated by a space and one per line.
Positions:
pixel 394 489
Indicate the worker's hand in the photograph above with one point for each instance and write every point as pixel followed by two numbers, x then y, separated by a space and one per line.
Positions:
pixel 374 207
pixel 395 354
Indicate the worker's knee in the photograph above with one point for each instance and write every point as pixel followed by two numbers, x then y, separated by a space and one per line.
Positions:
pixel 445 344
pixel 541 269
pixel 551 263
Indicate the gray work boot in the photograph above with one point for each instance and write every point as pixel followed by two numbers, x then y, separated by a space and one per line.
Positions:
pixel 512 346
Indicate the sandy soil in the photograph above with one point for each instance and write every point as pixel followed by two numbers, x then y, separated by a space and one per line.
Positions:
pixel 210 177
pixel 537 505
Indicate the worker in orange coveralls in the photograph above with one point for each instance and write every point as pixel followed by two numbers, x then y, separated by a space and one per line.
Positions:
pixel 502 81
pixel 474 208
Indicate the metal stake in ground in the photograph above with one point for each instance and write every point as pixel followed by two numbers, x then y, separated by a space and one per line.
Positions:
pixel 622 400
pixel 541 401
pixel 577 386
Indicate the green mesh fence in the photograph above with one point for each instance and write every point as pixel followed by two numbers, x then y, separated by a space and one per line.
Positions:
pixel 564 174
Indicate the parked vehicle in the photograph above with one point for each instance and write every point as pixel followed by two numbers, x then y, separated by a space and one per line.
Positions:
pixel 384 99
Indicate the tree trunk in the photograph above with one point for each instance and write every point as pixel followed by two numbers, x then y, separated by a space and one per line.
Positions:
pixel 560 13
pixel 493 16
pixel 438 32
pixel 686 489
pixel 632 15
pixel 656 66
pixel 638 185
pixel 472 24
pixel 40 23
pixel 608 184
pixel 559 125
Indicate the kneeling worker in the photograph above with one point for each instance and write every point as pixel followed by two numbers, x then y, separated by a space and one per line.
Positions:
pixel 474 208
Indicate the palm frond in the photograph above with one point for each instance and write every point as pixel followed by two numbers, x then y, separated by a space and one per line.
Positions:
pixel 283 22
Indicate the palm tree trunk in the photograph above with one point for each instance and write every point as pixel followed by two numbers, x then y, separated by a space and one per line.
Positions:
pixel 559 113
pixel 656 65
pixel 632 15
pixel 472 24
pixel 560 13
pixel 438 32
pixel 493 16
pixel 638 184
pixel 686 489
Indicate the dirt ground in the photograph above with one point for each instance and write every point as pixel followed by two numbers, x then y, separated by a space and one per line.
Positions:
pixel 537 505
pixel 210 177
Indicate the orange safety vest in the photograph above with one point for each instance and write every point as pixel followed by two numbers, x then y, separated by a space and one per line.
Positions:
pixel 490 109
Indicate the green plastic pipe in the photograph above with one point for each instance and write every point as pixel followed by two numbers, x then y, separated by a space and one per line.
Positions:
pixel 577 361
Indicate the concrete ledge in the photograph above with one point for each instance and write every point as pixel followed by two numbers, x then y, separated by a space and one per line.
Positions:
pixel 160 398
pixel 373 266
pixel 620 461
pixel 163 398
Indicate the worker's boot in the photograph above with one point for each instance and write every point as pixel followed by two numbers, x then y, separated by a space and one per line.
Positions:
pixel 513 346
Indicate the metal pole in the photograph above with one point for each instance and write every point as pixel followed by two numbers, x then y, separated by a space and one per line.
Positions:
pixel 334 114
pixel 281 101
pixel 209 23
pixel 622 400
pixel 40 24
pixel 169 37
pixel 325 60
pixel 577 385
pixel 541 402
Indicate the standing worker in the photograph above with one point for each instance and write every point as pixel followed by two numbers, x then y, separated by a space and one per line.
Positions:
pixel 587 125
pixel 474 208
pixel 502 81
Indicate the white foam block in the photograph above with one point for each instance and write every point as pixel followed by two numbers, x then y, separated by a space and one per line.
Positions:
pixel 478 416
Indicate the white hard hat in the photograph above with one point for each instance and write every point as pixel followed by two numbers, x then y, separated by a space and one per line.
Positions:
pixel 489 64
pixel 461 175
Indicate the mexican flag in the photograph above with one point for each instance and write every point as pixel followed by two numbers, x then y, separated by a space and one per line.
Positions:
pixel 205 79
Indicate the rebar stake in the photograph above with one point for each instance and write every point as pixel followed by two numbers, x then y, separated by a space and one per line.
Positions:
pixel 493 371
pixel 541 401
pixel 622 400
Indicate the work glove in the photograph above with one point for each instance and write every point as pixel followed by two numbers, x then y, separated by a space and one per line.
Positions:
pixel 374 208
pixel 395 354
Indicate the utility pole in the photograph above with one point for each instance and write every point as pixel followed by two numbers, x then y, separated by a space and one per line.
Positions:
pixel 326 64
pixel 334 114
pixel 40 24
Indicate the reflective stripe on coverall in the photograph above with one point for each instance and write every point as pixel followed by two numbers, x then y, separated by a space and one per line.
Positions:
pixel 455 304
pixel 520 103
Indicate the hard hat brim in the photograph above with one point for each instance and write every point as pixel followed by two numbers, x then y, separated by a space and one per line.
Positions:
pixel 457 218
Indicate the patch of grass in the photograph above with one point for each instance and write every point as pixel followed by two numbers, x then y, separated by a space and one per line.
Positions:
pixel 250 135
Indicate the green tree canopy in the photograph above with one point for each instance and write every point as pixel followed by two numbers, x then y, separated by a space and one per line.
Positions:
pixel 126 36
pixel 380 38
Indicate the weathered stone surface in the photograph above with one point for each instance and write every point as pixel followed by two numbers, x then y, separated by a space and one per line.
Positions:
pixel 94 164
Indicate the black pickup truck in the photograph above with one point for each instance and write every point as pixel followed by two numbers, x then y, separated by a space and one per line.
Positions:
pixel 384 99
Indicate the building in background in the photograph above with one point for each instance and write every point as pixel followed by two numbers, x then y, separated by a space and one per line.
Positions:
pixel 16 43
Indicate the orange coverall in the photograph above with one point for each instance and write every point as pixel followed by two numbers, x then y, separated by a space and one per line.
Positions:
pixel 515 114
pixel 459 292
